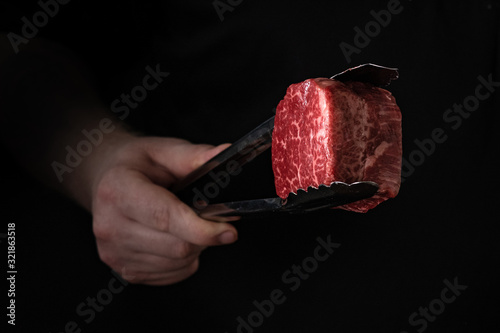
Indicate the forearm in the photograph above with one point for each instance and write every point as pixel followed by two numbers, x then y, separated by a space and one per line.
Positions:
pixel 55 124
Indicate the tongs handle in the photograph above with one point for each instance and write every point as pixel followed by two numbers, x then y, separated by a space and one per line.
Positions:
pixel 229 161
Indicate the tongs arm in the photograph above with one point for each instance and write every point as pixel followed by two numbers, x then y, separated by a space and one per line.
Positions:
pixel 233 158
pixel 334 195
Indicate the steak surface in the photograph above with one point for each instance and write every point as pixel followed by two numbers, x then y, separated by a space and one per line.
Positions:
pixel 326 130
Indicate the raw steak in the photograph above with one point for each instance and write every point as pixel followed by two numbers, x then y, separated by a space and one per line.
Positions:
pixel 326 130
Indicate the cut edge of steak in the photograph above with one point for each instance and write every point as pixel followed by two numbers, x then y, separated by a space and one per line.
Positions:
pixel 326 130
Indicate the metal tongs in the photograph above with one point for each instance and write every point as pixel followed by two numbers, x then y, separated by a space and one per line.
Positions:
pixel 258 140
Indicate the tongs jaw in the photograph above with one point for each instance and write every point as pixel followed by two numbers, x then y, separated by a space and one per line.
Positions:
pixel 336 194
pixel 254 143
pixel 328 196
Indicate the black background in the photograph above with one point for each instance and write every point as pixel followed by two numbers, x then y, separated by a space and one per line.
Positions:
pixel 226 78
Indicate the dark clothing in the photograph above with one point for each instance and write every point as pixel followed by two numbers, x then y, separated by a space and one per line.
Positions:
pixel 226 77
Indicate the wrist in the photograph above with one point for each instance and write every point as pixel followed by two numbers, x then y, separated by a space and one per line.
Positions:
pixel 89 157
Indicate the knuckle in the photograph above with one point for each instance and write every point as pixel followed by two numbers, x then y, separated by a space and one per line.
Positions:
pixel 161 218
pixel 106 191
pixel 135 277
pixel 202 236
pixel 184 250
pixel 109 188
pixel 103 231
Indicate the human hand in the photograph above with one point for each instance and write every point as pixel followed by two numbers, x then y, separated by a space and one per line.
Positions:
pixel 143 231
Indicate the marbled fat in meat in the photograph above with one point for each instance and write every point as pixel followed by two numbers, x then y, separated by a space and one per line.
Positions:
pixel 326 130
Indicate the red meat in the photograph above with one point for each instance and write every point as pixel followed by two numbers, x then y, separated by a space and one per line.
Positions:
pixel 326 130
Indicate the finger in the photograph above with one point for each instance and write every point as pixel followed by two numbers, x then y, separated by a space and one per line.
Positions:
pixel 161 210
pixel 140 265
pixel 147 263
pixel 159 279
pixel 174 277
pixel 180 156
pixel 142 239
